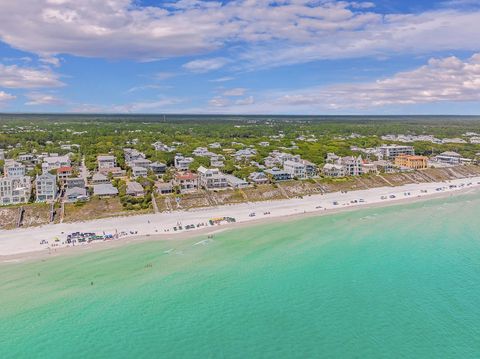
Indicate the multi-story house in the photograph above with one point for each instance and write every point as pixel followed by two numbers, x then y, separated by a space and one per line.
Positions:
pixel 353 165
pixel 55 162
pixel 211 178
pixel 13 169
pixel 139 172
pixel 451 158
pixel 106 161
pixel 158 168
pixel 389 152
pixel 186 181
pixel 278 175
pixel 333 170
pixel 295 169
pixel 182 163
pixel 132 155
pixel 75 182
pixel 14 190
pixel 258 178
pixel 64 172
pixel 343 166
pixel 413 162
pixel 46 187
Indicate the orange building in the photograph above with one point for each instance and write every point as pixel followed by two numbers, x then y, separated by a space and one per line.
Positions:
pixel 410 161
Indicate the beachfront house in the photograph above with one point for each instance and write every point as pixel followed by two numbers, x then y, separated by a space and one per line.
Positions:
pixel 164 187
pixel 412 162
pixel 295 169
pixel 258 178
pixel 46 187
pixel 104 190
pixel 353 165
pixel 384 166
pixel 15 190
pixel 236 182
pixel 211 178
pixel 451 158
pixel 75 194
pixel 277 174
pixel 135 189
pixel 106 161
pixel 334 170
pixel 186 181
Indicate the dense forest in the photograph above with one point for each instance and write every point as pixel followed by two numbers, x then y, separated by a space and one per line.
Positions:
pixel 96 134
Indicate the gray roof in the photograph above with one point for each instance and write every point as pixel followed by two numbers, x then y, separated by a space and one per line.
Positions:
pixel 104 189
pixel 134 187
pixel 162 185
pixel 77 191
pixel 99 177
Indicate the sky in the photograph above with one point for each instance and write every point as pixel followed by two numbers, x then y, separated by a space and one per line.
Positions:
pixel 312 57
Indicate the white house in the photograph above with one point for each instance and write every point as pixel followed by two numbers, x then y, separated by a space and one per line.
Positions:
pixel 14 190
pixel 55 162
pixel 106 161
pixel 139 172
pixel 295 169
pixel 235 182
pixel 389 152
pixel 186 181
pixel 46 187
pixel 211 178
pixel 182 163
pixel 451 158
pixel 13 169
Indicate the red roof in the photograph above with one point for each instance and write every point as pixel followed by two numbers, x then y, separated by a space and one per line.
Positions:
pixel 64 169
pixel 186 176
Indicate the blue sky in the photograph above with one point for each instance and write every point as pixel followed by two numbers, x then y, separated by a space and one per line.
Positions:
pixel 244 56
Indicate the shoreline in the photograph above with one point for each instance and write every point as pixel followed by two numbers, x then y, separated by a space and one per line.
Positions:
pixel 22 245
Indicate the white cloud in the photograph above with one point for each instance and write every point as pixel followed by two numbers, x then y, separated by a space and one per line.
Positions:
pixel 202 66
pixel 145 87
pixel 222 79
pixel 238 91
pixel 446 80
pixel 5 97
pixel 291 31
pixel 51 60
pixel 441 80
pixel 219 101
pixel 37 98
pixel 14 76
pixel 164 75
pixel 245 101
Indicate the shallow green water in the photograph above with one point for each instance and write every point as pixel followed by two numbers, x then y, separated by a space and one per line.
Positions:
pixel 398 282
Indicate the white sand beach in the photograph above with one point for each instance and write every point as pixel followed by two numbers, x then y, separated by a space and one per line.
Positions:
pixel 30 240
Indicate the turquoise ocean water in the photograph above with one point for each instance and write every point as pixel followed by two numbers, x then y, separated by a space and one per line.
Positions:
pixel 396 282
